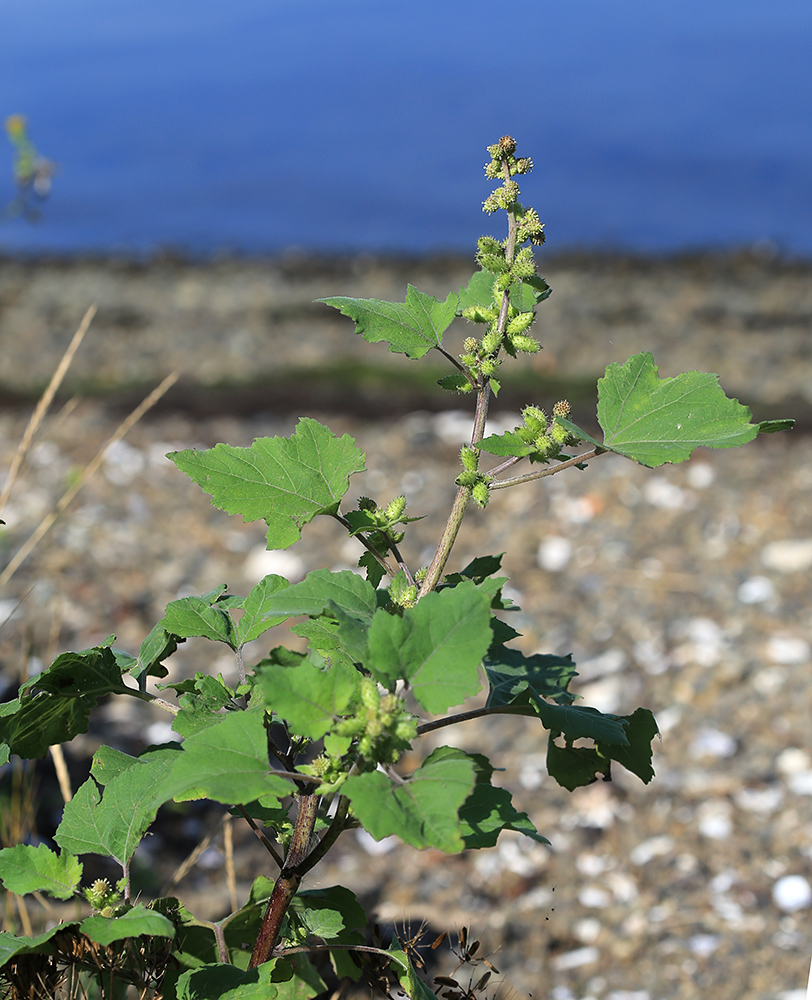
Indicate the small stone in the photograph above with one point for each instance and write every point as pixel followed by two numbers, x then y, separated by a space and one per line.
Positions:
pixel 575 959
pixel 756 590
pixel 787 650
pixel 790 556
pixel 791 893
pixel 792 760
pixel 713 819
pixel 712 743
pixel 654 847
pixel 594 897
pixel 554 553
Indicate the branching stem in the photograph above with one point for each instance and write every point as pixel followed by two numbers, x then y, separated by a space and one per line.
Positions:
pixel 531 476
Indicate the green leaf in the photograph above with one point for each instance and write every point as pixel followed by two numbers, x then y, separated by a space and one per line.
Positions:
pixel 641 729
pixel 112 825
pixel 332 914
pixel 525 296
pixel 257 618
pixel 510 673
pixel 774 426
pixel 580 722
pixel 13 947
pixel 412 327
pixel 194 616
pixel 226 982
pixel 456 382
pixel 324 591
pixel 321 634
pixel 201 699
pixel 657 420
pixel 284 481
pixel 226 762
pixel 574 767
pixel 412 985
pixel 308 699
pixel 155 648
pixel 55 706
pixel 89 675
pixel 487 810
pixel 422 810
pixel 505 445
pixel 38 869
pixel 135 922
pixel 375 572
pixel 437 646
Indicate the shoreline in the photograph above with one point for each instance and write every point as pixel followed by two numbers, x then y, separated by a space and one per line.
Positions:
pixel 248 329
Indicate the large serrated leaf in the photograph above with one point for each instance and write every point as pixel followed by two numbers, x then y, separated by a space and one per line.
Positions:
pixel 412 327
pixel 510 673
pixel 12 947
pixel 226 982
pixel 55 706
pixel 194 616
pixel 488 810
pixel 308 699
pixel 227 762
pixel 422 810
pixel 324 591
pixel 436 647
pixel 284 481
pixel 656 420
pixel 38 869
pixel 641 729
pixel 258 617
pixel 135 922
pixel 113 824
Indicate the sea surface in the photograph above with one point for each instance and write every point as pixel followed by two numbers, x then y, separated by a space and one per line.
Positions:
pixel 256 126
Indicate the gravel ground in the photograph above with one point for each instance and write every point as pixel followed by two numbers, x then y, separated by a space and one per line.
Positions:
pixel 685 590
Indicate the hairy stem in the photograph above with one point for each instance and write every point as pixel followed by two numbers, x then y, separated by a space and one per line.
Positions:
pixel 531 476
pixel 287 882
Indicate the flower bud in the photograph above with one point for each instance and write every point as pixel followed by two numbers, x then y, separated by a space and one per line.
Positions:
pixel 489 367
pixel 370 696
pixel 524 165
pixel 366 503
pixel 506 145
pixel 493 169
pixel 491 204
pixel 562 408
pixel 470 344
pixel 523 266
pixel 508 194
pixel 503 282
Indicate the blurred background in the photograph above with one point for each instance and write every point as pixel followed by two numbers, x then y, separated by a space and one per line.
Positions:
pixel 257 126
pixel 202 171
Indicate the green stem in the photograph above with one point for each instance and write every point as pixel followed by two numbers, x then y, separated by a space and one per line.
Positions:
pixel 531 476
pixel 476 713
pixel 367 545
pixel 288 881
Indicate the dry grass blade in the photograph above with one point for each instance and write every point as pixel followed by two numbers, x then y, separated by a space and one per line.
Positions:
pixel 42 406
pixel 90 470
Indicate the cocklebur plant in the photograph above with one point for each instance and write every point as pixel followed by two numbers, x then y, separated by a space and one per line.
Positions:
pixel 311 744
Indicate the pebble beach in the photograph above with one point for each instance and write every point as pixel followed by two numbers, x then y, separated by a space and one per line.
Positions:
pixel 683 589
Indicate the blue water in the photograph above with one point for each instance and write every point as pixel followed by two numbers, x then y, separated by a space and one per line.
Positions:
pixel 258 126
